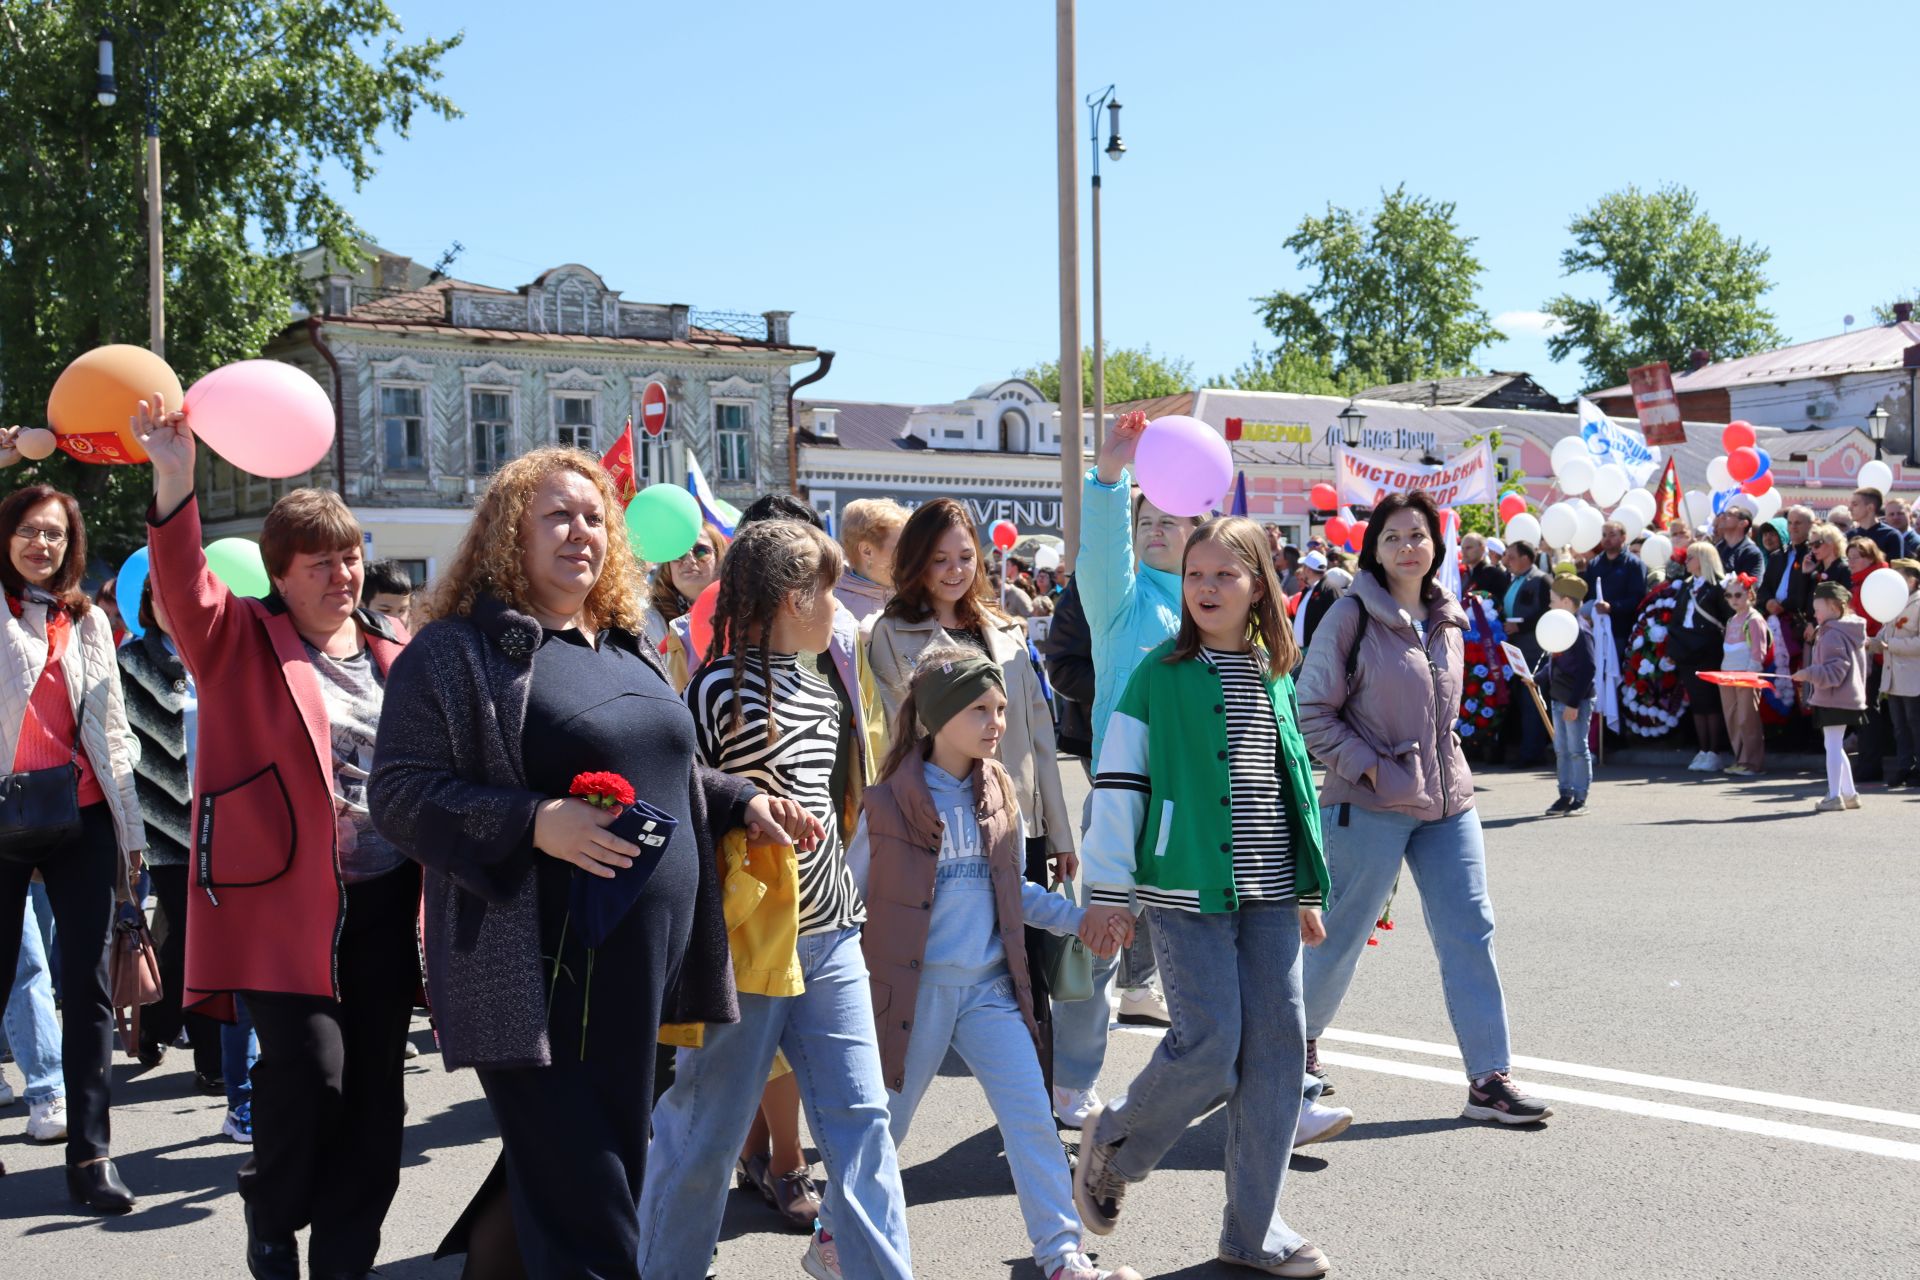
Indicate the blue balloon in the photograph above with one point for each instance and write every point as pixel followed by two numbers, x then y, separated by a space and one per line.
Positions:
pixel 1766 464
pixel 127 587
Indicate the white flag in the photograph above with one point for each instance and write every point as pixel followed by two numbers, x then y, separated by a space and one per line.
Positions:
pixel 1606 662
pixel 1608 441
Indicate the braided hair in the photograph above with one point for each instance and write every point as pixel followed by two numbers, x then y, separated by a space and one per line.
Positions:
pixel 770 562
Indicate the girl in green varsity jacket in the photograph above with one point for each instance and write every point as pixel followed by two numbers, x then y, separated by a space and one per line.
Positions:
pixel 1205 819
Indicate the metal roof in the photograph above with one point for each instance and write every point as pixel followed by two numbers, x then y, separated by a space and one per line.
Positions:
pixel 1862 351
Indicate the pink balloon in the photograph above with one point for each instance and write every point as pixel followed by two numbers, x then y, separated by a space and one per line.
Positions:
pixel 1184 466
pixel 266 418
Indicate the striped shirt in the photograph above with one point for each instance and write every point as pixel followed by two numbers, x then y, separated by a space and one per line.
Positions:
pixel 797 764
pixel 1262 844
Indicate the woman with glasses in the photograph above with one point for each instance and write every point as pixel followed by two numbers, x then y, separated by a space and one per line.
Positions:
pixel 64 735
pixel 676 585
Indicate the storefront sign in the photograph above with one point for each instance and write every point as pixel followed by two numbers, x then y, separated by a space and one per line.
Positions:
pixel 1364 478
pixel 1269 432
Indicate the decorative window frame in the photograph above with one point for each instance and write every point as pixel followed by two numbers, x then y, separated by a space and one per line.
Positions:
pixel 403 373
pixel 491 386
pixel 714 405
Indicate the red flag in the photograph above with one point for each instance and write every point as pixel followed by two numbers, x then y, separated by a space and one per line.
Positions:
pixel 619 463
pixel 1666 499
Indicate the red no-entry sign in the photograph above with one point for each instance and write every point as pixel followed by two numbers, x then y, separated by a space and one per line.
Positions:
pixel 653 409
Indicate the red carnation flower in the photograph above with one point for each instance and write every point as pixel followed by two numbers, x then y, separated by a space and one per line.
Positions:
pixel 602 790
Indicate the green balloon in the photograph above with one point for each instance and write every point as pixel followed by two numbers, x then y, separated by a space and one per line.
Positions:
pixel 237 563
pixel 664 522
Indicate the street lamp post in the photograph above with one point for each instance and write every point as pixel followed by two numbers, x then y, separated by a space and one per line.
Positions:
pixel 1072 459
pixel 1115 149
pixel 106 93
pixel 1352 418
pixel 1877 428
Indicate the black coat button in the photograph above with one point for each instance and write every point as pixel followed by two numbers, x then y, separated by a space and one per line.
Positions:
pixel 926 906
pixel 1223 755
pixel 1219 710
pixel 1224 802
pixel 906 1026
pixel 1226 846
pixel 913 964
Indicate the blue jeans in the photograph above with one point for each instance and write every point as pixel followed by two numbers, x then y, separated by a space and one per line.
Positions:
pixel 1448 861
pixel 985 1025
pixel 31 1025
pixel 1572 758
pixel 1232 982
pixel 239 1048
pixel 700 1123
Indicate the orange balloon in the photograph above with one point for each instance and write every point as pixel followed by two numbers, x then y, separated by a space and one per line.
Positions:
pixel 97 395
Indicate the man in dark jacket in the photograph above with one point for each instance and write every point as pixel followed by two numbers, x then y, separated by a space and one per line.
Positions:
pixel 1522 607
pixel 1482 573
pixel 1619 578
pixel 1867 506
pixel 1733 539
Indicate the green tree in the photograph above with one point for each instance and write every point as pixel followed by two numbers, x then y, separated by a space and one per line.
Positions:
pixel 1289 369
pixel 1131 375
pixel 256 98
pixel 1884 312
pixel 1394 297
pixel 1675 282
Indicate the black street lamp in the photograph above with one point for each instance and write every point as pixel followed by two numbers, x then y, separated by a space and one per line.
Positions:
pixel 1115 149
pixel 1877 428
pixel 105 92
pixel 1351 420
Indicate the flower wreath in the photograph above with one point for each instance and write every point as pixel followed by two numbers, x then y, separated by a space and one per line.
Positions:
pixel 1652 695
pixel 1483 685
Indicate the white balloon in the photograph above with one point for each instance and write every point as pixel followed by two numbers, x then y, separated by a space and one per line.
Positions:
pixel 1875 475
pixel 1569 447
pixel 1524 527
pixel 1556 631
pixel 1587 528
pixel 1884 594
pixel 1610 484
pixel 1046 558
pixel 35 443
pixel 1699 509
pixel 1642 501
pixel 1770 503
pixel 1575 474
pixel 1630 521
pixel 1656 550
pixel 1718 477
pixel 1558 524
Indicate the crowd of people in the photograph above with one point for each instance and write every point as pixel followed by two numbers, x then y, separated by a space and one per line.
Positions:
pixel 665 879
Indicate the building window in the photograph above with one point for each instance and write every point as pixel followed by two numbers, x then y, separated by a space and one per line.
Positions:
pixel 733 442
pixel 339 297
pixel 403 428
pixel 416 571
pixel 491 416
pixel 573 422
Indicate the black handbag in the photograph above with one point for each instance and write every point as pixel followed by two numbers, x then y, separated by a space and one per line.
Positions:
pixel 39 809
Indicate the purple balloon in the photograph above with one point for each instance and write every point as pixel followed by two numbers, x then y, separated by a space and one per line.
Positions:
pixel 1184 466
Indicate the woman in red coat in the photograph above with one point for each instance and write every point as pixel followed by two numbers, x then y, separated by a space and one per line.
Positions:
pixel 297 902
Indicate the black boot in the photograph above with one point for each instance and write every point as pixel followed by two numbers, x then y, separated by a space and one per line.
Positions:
pixel 98 1187
pixel 271 1259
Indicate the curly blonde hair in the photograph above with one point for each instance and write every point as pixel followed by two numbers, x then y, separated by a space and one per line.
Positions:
pixel 490 554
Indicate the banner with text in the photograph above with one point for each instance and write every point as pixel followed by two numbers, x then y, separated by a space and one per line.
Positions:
pixel 1364 478
pixel 1656 405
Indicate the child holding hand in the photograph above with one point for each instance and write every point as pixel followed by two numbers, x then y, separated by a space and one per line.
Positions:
pixel 944 853
pixel 1205 816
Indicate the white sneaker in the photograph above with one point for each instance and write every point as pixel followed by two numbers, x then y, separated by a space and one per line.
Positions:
pixel 47 1121
pixel 1699 763
pixel 1144 1005
pixel 6 1093
pixel 1318 1123
pixel 1071 1107
pixel 822 1259
pixel 1715 762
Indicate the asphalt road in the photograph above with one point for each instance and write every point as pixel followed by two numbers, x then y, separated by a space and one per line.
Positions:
pixel 1715 987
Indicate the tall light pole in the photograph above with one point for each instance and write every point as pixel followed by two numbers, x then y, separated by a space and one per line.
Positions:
pixel 1072 460
pixel 1115 149
pixel 106 93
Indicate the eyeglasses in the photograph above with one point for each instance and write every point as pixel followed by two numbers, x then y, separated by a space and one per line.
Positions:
pixel 698 553
pixel 31 534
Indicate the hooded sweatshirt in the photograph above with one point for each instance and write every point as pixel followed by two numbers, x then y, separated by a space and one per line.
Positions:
pixel 1131 608
pixel 1775 584
pixel 1837 669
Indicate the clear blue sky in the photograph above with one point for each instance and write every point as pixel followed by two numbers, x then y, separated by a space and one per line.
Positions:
pixel 886 171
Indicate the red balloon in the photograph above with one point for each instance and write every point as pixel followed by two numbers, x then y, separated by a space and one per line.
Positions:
pixel 700 622
pixel 1323 497
pixel 1356 535
pixel 1759 484
pixel 1743 463
pixel 1510 506
pixel 1737 435
pixel 1336 531
pixel 1004 534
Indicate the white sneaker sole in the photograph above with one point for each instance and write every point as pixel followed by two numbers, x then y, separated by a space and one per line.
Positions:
pixel 812 1265
pixel 1299 1270
pixel 1503 1117
pixel 1327 1134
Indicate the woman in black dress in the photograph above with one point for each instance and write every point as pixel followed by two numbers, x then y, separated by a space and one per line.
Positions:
pixel 1698 644
pixel 536 671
